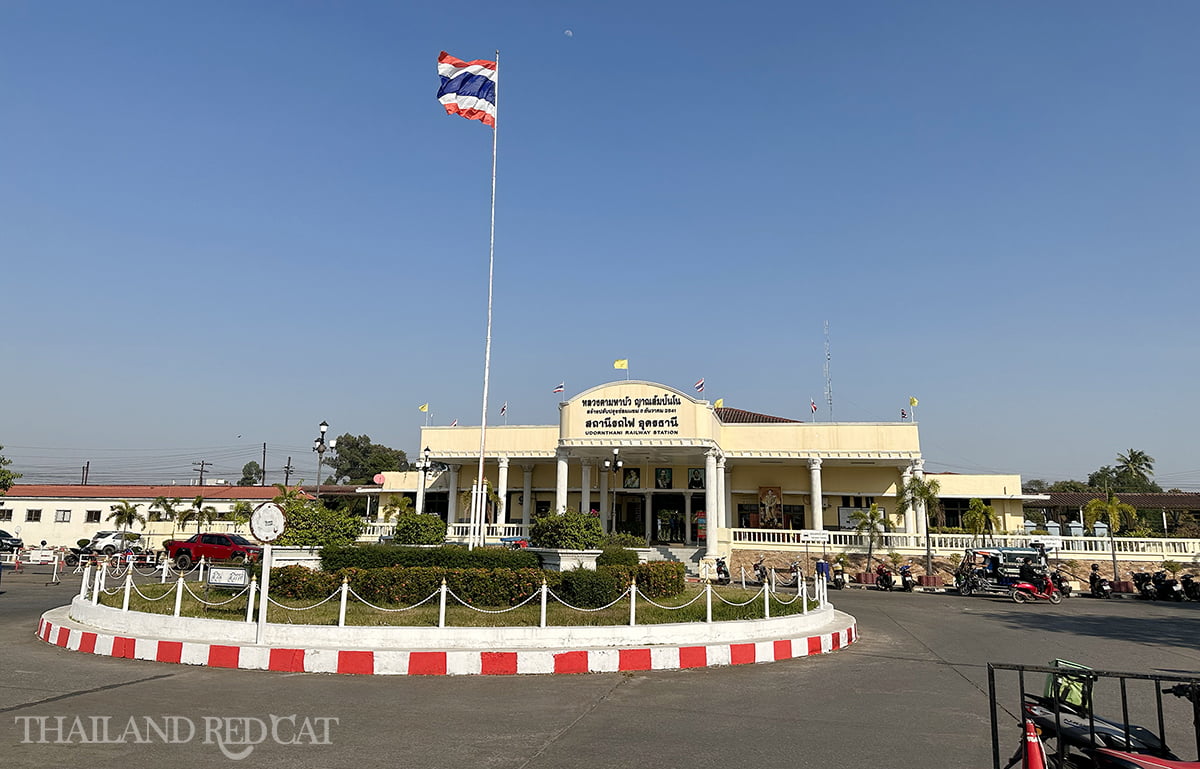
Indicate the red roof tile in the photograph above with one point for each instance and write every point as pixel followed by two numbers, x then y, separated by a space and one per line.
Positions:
pixel 738 416
pixel 90 491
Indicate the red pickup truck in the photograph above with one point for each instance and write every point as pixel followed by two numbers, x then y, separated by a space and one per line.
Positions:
pixel 211 547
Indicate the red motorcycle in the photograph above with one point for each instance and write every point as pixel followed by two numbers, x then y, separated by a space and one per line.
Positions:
pixel 1025 591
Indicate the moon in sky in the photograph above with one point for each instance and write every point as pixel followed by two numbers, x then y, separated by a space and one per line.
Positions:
pixel 569 32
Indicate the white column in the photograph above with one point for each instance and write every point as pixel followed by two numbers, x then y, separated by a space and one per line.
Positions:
pixel 725 492
pixel 814 478
pixel 502 491
pixel 422 479
pixel 918 471
pixel 710 504
pixel 687 518
pixel 452 502
pixel 527 495
pixel 585 486
pixel 910 515
pixel 604 509
pixel 560 483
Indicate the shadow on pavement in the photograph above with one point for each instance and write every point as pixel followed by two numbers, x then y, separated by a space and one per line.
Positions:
pixel 1181 627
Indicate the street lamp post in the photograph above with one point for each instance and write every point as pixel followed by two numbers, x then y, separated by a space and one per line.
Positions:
pixel 320 447
pixel 423 466
pixel 615 464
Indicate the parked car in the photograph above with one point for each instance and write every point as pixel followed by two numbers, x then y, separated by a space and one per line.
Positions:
pixel 211 547
pixel 10 543
pixel 109 542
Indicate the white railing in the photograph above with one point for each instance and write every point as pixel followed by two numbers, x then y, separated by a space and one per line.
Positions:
pixel 1127 548
pixel 492 532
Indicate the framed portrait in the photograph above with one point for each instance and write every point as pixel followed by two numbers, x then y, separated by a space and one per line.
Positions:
pixel 663 477
pixel 632 478
pixel 695 477
pixel 770 506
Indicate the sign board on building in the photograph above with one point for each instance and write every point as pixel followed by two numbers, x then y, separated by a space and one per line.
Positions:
pixel 1050 543
pixel 814 536
pixel 234 577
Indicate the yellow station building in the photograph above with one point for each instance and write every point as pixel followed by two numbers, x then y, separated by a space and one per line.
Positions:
pixel 656 462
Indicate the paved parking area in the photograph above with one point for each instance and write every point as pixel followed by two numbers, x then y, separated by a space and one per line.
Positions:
pixel 912 692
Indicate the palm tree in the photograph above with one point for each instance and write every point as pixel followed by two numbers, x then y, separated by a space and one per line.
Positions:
pixel 921 492
pixel 202 513
pixel 1137 463
pixel 1114 512
pixel 869 523
pixel 241 512
pixel 980 518
pixel 167 508
pixel 396 507
pixel 492 502
pixel 124 515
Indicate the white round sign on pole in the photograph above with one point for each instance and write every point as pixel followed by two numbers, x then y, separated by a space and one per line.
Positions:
pixel 267 522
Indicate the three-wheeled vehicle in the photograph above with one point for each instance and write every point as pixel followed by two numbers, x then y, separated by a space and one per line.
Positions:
pixel 994 569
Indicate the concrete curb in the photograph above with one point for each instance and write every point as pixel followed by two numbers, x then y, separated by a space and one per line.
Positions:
pixel 56 628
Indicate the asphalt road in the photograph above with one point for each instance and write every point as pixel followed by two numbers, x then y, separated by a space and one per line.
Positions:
pixel 911 693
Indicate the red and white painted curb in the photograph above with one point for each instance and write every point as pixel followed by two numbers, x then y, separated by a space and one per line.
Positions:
pixel 441 663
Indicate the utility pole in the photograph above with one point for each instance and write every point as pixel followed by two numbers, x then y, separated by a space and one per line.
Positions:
pixel 263 482
pixel 202 464
pixel 287 471
pixel 87 466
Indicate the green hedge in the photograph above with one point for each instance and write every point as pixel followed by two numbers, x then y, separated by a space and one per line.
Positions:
pixel 617 556
pixel 447 557
pixel 408 585
pixel 570 530
pixel 657 579
pixel 589 589
pixel 413 529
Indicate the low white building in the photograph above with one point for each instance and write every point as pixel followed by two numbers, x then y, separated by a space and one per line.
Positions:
pixel 63 515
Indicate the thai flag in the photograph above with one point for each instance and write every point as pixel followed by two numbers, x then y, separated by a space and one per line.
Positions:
pixel 504 409
pixel 561 386
pixel 700 385
pixel 468 88
pixel 813 403
pixel 903 414
pixel 454 423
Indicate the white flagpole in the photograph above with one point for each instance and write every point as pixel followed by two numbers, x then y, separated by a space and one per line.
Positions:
pixel 487 348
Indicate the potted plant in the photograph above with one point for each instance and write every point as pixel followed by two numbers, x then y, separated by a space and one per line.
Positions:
pixel 566 541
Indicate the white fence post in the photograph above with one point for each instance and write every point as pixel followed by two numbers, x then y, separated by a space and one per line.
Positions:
pixel 96 584
pixel 128 587
pixel 201 568
pixel 766 603
pixel 442 604
pixel 708 602
pixel 545 594
pixel 87 578
pixel 178 595
pixel 342 607
pixel 743 578
pixel 804 595
pixel 633 603
pixel 250 600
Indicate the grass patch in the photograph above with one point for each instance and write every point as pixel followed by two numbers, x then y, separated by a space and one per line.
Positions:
pixel 426 615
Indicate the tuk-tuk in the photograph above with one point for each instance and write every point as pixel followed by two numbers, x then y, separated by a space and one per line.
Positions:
pixel 994 569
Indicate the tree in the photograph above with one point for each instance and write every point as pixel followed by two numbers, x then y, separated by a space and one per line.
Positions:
pixel 1035 486
pixel 124 515
pixel 252 474
pixel 980 518
pixel 201 513
pixel 918 492
pixel 1112 511
pixel 398 506
pixel 1064 487
pixel 492 503
pixel 1136 463
pixel 869 524
pixel 1132 476
pixel 311 524
pixel 167 508
pixel 359 460
pixel 241 512
pixel 7 477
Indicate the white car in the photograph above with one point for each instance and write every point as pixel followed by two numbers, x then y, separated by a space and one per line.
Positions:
pixel 109 542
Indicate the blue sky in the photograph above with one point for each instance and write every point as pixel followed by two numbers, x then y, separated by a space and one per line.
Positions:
pixel 224 222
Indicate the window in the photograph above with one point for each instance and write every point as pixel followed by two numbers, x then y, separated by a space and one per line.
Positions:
pixel 5 515
pixel 93 516
pixel 62 516
pixel 33 516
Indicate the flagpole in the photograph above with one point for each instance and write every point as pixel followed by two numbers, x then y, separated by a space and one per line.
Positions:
pixel 487 348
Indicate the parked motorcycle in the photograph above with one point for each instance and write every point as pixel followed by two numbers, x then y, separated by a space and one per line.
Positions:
pixel 1099 586
pixel 883 578
pixel 907 580
pixel 839 577
pixel 1061 582
pixel 1191 587
pixel 1168 589
pixel 760 571
pixel 722 572
pixel 1024 592
pixel 1144 584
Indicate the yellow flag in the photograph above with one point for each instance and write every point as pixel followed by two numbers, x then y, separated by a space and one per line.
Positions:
pixel 719 403
pixel 423 407
pixel 912 401
pixel 621 363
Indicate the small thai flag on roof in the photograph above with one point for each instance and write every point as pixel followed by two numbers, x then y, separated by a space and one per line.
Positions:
pixel 504 409
pixel 468 88
pixel 454 423
pixel 561 386
pixel 700 385
pixel 813 403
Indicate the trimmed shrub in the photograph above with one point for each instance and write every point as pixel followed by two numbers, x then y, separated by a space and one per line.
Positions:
pixel 589 589
pixel 617 556
pixel 300 582
pixel 623 539
pixel 657 579
pixel 447 557
pixel 569 531
pixel 413 529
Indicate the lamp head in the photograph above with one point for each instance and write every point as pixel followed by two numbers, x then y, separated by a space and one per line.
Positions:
pixel 333 443
pixel 324 426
